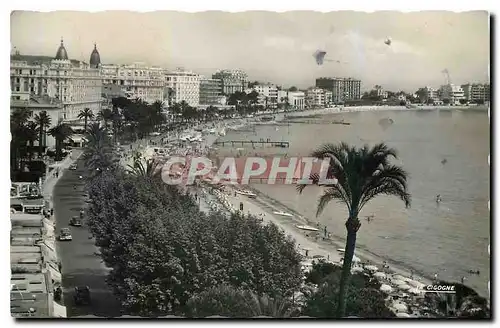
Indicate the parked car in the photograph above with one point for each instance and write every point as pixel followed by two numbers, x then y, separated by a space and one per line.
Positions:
pixel 82 295
pixel 75 221
pixel 73 166
pixel 65 234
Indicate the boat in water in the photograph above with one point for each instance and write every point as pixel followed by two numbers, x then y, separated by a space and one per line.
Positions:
pixel 283 213
pixel 246 193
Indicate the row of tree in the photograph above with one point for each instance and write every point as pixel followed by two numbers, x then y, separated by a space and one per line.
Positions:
pixel 163 251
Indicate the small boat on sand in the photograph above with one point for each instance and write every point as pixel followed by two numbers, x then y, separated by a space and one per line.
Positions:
pixel 246 193
pixel 308 228
pixel 283 213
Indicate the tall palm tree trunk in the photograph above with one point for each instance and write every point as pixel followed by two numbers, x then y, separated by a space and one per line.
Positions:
pixel 85 124
pixel 352 225
pixel 40 141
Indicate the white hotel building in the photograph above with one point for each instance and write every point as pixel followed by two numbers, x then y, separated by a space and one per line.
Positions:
pixel 58 85
pixel 137 81
pixel 183 85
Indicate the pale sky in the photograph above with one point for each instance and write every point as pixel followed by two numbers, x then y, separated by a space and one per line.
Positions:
pixel 274 47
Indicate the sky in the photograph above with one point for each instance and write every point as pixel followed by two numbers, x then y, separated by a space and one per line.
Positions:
pixel 274 47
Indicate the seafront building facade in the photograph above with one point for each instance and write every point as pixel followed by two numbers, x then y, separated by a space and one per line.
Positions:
pixel 451 93
pixel 183 85
pixel 315 98
pixel 427 93
pixel 296 100
pixel 474 92
pixel 135 81
pixel 342 88
pixel 268 95
pixel 210 91
pixel 61 86
pixel 232 81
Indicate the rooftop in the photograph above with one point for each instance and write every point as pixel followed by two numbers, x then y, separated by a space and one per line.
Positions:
pixel 28 295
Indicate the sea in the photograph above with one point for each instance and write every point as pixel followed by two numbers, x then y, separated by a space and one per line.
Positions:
pixel 445 152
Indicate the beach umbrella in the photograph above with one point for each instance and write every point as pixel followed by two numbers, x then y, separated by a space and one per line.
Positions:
pixel 385 288
pixel 379 275
pixel 400 307
pixel 371 268
pixel 403 315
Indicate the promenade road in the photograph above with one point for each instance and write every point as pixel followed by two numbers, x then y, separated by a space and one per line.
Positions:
pixel 80 264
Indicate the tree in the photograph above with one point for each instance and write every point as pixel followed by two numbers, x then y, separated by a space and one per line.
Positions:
pixel 60 132
pixel 148 169
pixel 98 153
pixel 225 300
pixel 86 114
pixel 360 301
pixel 31 135
pixel 106 114
pixel 163 250
pixel 18 126
pixel 320 270
pixel 362 174
pixel 43 121
pixel 293 88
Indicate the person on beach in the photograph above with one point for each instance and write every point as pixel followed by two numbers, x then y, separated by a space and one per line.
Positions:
pixel 435 277
pixel 438 199
pixel 326 232
pixel 462 280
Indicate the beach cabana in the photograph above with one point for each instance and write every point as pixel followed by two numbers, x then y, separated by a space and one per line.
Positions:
pixel 400 307
pixel 403 315
pixel 385 288
pixel 379 275
pixel 400 277
pixel 399 283
pixel 371 268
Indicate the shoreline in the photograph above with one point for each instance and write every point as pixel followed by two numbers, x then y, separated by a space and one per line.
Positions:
pixel 264 205
pixel 288 224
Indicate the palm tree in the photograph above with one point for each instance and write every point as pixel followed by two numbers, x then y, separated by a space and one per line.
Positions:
pixel 18 121
pixel 60 132
pixel 43 121
pixel 148 169
pixel 105 115
pixel 98 153
pixel 31 135
pixel 86 114
pixel 362 174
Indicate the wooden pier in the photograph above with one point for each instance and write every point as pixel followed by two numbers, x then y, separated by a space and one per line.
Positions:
pixel 262 143
pixel 318 122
